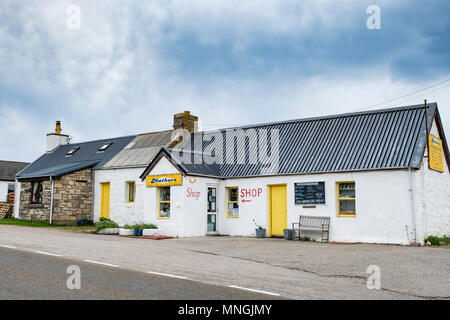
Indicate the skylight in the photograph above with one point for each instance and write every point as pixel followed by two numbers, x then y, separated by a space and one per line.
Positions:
pixel 72 151
pixel 105 146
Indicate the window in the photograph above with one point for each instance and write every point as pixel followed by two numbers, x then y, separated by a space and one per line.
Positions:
pixel 164 203
pixel 233 202
pixel 36 192
pixel 346 199
pixel 105 146
pixel 131 192
pixel 72 151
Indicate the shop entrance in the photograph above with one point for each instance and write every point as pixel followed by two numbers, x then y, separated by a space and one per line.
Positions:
pixel 212 210
pixel 278 210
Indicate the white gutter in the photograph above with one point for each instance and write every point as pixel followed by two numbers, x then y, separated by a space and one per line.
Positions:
pixel 51 199
pixel 413 207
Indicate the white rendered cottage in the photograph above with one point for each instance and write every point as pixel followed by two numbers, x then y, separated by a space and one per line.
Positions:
pixel 370 172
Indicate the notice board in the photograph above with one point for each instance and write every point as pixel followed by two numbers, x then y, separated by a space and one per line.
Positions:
pixel 309 192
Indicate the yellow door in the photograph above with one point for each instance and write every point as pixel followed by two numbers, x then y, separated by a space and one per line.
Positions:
pixel 278 210
pixel 105 201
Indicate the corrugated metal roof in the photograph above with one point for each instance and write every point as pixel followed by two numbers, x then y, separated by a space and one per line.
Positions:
pixel 52 163
pixel 9 169
pixel 141 150
pixel 372 140
pixel 59 170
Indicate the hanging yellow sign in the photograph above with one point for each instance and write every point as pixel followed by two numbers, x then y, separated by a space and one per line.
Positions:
pixel 164 180
pixel 436 156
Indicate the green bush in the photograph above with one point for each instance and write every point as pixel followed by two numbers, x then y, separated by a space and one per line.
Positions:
pixel 305 238
pixel 105 223
pixel 435 241
pixel 141 226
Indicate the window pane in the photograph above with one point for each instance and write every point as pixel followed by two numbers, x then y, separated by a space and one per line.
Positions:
pixel 233 209
pixel 164 210
pixel 131 187
pixel 346 190
pixel 211 199
pixel 346 206
pixel 164 194
pixel 233 194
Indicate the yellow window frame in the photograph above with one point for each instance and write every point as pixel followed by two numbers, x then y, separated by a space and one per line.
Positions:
pixel 228 201
pixel 162 202
pixel 350 214
pixel 129 183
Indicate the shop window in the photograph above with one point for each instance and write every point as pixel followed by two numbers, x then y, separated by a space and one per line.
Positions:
pixel 164 202
pixel 346 197
pixel 131 192
pixel 233 202
pixel 36 192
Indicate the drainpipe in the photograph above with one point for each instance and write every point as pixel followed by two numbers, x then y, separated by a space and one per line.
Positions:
pixel 413 207
pixel 51 199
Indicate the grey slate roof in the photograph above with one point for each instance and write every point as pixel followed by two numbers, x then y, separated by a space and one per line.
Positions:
pixel 9 169
pixel 372 140
pixel 57 163
pixel 141 151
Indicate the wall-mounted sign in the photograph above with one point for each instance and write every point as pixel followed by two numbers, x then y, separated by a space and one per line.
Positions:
pixel 436 156
pixel 247 194
pixel 164 180
pixel 309 193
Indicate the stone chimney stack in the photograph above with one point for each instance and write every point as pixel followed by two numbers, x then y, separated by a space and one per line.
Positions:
pixel 185 121
pixel 56 139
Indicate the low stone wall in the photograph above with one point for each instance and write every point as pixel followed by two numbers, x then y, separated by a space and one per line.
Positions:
pixel 72 200
pixel 6 210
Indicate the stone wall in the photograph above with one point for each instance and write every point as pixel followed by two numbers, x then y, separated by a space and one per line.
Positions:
pixel 72 199
pixel 6 209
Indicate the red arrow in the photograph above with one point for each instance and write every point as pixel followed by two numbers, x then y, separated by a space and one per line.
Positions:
pixel 243 200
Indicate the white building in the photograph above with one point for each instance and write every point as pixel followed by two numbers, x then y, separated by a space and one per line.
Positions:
pixel 369 172
pixel 8 171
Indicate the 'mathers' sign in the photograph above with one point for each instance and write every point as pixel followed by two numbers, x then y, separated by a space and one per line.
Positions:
pixel 164 180
pixel 436 156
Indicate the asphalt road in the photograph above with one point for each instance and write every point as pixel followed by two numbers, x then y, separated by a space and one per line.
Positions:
pixel 291 269
pixel 28 275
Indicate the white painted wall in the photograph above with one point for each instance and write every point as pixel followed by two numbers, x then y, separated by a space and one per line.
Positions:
pixel 382 203
pixel 120 211
pixel 432 195
pixel 4 190
pixel 17 193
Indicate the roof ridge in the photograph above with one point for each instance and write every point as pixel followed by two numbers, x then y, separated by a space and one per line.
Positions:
pixel 339 115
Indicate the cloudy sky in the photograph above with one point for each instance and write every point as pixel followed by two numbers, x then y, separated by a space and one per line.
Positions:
pixel 132 64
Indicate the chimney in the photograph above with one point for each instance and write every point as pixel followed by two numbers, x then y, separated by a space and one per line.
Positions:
pixel 185 121
pixel 56 139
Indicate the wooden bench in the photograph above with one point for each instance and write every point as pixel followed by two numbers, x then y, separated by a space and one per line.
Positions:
pixel 312 223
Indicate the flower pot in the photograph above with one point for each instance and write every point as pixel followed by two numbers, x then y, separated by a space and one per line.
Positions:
pixel 138 232
pixel 126 232
pixel 260 233
pixel 150 232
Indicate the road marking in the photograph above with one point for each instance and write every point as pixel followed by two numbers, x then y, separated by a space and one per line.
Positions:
pixel 167 275
pixel 102 263
pixel 254 290
pixel 9 247
pixel 49 254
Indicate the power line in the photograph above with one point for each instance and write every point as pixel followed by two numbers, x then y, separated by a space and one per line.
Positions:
pixel 406 95
pixel 422 95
